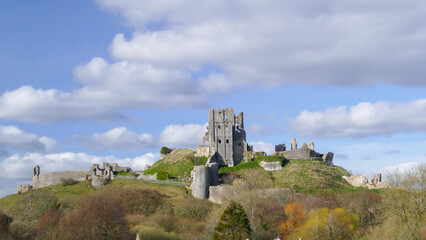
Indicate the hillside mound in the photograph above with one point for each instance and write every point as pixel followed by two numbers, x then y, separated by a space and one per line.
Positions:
pixel 296 174
pixel 178 164
pixel 178 154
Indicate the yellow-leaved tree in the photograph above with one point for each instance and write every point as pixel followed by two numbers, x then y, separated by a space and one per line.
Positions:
pixel 328 224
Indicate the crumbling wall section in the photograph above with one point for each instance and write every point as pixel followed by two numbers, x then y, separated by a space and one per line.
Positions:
pixel 300 153
pixel 54 178
pixel 202 178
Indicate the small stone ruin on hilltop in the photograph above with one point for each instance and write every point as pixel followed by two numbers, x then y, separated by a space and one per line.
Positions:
pixel 97 175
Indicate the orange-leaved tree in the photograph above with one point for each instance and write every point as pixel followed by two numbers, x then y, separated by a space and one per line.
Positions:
pixel 296 217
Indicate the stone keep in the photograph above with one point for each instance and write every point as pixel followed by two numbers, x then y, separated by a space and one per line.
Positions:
pixel 226 136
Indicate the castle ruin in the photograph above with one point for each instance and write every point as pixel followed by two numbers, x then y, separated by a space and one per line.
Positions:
pixel 96 174
pixel 226 138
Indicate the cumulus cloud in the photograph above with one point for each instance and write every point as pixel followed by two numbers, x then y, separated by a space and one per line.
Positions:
pixel 119 138
pixel 246 43
pixel 263 147
pixel 107 90
pixel 13 138
pixel 341 43
pixel 20 166
pixel 363 119
pixel 27 104
pixel 189 135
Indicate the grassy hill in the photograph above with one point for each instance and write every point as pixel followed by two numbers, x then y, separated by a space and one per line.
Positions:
pixel 296 174
pixel 161 211
pixel 178 164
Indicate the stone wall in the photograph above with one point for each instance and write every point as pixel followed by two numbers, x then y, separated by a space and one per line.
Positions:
pixel 54 178
pixel 202 178
pixel 220 194
pixel 204 151
pixel 301 153
pixel 271 166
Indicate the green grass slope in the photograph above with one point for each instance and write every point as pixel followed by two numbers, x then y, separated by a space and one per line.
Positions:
pixel 296 174
pixel 71 194
pixel 179 163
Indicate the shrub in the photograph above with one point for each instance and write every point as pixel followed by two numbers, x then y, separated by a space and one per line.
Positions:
pixel 166 150
pixel 162 175
pixel 48 224
pixel 198 210
pixel 144 202
pixel 154 233
pixel 233 224
pixel 100 217
pixel 5 221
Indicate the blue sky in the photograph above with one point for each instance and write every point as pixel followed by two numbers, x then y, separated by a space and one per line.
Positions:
pixel 83 82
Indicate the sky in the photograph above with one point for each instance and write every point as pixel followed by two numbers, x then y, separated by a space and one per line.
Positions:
pixel 85 82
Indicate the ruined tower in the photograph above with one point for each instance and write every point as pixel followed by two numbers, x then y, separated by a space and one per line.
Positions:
pixel 226 136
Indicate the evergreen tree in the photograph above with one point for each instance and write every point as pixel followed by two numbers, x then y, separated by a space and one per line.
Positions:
pixel 234 224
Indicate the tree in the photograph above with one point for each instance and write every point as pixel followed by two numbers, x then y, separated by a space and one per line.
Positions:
pixel 404 206
pixel 233 224
pixel 27 210
pixel 296 217
pixel 329 224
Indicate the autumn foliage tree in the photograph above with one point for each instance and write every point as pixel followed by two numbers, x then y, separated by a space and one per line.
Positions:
pixel 296 217
pixel 324 223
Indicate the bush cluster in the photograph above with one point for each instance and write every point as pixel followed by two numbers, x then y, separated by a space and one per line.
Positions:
pixel 166 150
pixel 162 175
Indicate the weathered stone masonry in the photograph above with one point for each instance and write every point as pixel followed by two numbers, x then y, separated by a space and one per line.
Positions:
pixel 226 138
pixel 95 173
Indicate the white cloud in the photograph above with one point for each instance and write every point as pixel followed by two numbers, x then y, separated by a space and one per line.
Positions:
pixel 189 135
pixel 27 104
pixel 20 166
pixel 263 147
pixel 119 138
pixel 247 43
pixel 327 43
pixel 363 119
pixel 13 138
